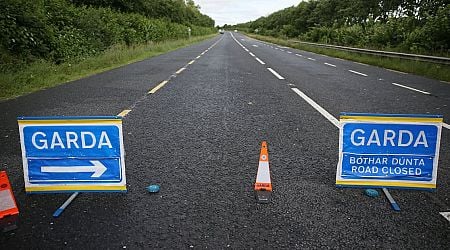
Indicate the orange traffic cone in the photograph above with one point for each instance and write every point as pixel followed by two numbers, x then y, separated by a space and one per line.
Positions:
pixel 8 207
pixel 263 184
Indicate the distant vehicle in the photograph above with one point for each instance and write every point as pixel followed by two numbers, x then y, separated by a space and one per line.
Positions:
pixel 235 30
pixel 221 31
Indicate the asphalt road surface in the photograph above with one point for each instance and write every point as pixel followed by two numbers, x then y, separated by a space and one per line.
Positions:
pixel 198 136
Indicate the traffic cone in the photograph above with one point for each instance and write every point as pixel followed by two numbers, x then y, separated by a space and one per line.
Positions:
pixel 263 184
pixel 8 207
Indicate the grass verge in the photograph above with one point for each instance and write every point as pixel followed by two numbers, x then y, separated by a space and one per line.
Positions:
pixel 42 74
pixel 431 70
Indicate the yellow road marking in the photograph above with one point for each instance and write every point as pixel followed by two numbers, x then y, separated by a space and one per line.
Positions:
pixel 158 87
pixel 74 188
pixel 180 70
pixel 90 121
pixel 384 118
pixel 385 183
pixel 124 112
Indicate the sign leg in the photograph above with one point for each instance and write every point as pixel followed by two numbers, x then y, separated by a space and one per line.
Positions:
pixel 394 204
pixel 59 211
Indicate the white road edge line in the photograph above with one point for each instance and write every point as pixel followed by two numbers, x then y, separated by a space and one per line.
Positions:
pixel 446 215
pixel 329 64
pixel 362 64
pixel 275 74
pixel 445 125
pixel 317 107
pixel 396 71
pixel 356 72
pixel 259 60
pixel 413 89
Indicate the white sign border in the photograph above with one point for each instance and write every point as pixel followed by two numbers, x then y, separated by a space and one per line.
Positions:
pixel 433 180
pixel 76 183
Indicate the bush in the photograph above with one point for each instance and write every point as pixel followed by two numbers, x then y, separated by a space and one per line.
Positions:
pixel 24 32
pixel 59 31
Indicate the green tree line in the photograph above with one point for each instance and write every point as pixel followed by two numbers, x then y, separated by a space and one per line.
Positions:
pixel 418 26
pixel 178 11
pixel 63 30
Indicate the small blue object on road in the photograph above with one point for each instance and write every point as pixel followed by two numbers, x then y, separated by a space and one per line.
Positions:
pixel 153 188
pixel 72 154
pixel 371 193
pixel 386 150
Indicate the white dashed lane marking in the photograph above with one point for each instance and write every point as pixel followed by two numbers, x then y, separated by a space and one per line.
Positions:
pixel 275 74
pixel 259 60
pixel 329 64
pixel 312 59
pixel 356 72
pixel 413 89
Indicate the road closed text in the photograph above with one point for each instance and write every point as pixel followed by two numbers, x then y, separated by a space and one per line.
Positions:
pixel 376 166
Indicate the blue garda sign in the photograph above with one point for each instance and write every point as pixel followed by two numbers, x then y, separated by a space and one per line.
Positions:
pixel 384 150
pixel 67 154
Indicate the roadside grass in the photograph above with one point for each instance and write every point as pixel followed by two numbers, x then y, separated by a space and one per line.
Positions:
pixel 42 74
pixel 427 69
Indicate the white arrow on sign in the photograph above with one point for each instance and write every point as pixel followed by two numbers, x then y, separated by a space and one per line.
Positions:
pixel 98 169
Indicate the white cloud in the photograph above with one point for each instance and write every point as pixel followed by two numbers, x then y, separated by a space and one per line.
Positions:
pixel 241 11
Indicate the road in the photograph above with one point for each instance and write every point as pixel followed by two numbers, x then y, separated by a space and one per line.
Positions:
pixel 198 134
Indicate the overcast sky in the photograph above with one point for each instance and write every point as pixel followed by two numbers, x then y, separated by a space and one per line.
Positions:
pixel 241 11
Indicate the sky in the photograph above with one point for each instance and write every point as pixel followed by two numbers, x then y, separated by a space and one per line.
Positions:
pixel 241 11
